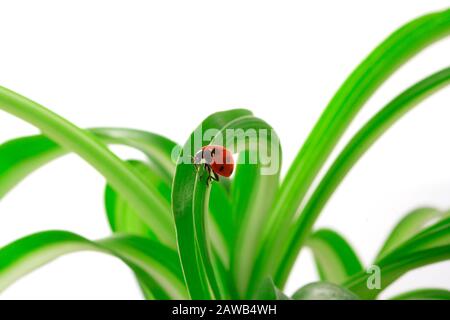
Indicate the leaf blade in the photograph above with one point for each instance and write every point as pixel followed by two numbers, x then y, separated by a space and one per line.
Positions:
pixel 429 246
pixel 408 227
pixel 31 252
pixel 424 294
pixel 334 257
pixel 384 60
pixel 93 151
pixel 351 153
pixel 22 156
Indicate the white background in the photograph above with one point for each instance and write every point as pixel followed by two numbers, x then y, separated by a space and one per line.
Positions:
pixel 163 66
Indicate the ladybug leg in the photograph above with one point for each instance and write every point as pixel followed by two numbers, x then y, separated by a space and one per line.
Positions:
pixel 208 170
pixel 196 165
pixel 214 176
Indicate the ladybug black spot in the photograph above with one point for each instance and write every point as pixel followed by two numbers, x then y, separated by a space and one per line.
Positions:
pixel 221 168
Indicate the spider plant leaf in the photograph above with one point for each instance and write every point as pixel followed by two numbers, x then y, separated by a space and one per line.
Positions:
pixel 158 149
pixel 409 226
pixel 435 235
pixel 221 226
pixel 351 153
pixel 220 231
pixel 429 246
pixel 398 48
pixel 121 216
pixel 323 291
pixel 20 157
pixel 123 219
pixel 190 198
pixel 335 259
pixel 158 267
pixel 189 212
pixel 258 189
pixel 393 269
pixel 252 196
pixel 146 201
pixel 268 291
pixel 245 174
pixel 424 294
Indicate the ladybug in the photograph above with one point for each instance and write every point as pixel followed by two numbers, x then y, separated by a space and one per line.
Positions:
pixel 218 161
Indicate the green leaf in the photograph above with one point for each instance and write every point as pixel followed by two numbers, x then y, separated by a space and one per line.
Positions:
pixel 408 227
pixel 398 48
pixel 158 267
pixel 323 291
pixel 158 149
pixel 351 153
pixel 145 200
pixel 188 207
pixel 435 235
pixel 335 259
pixel 252 196
pixel 424 294
pixel 220 231
pixel 123 218
pixel 429 246
pixel 20 157
pixel 190 198
pixel 268 291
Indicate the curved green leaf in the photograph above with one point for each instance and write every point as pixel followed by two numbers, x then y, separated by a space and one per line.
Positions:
pixel 429 246
pixel 424 294
pixel 352 152
pixel 189 224
pixel 158 267
pixel 121 217
pixel 143 199
pixel 22 156
pixel 190 198
pixel 408 227
pixel 398 48
pixel 258 193
pixel 220 230
pixel 435 235
pixel 158 149
pixel 323 291
pixel 335 259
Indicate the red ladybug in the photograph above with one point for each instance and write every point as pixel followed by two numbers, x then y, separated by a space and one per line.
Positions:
pixel 218 161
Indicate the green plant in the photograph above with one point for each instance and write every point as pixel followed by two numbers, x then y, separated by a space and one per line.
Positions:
pixel 239 239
